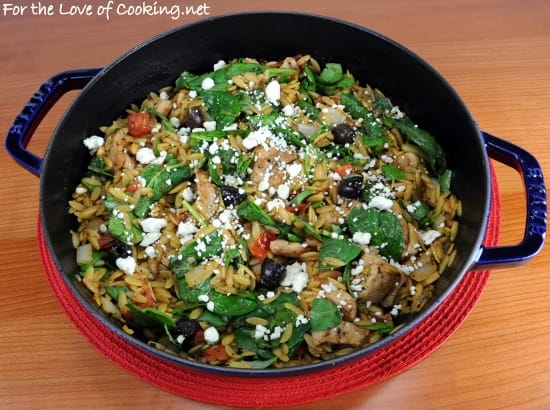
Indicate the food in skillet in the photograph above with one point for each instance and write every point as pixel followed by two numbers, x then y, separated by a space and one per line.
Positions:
pixel 264 214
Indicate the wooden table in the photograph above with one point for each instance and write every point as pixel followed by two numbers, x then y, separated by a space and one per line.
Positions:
pixel 497 56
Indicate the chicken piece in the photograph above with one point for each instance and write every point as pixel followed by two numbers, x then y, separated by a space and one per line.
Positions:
pixel 268 166
pixel 163 107
pixel 377 279
pixel 116 149
pixel 346 333
pixel 289 249
pixel 408 162
pixel 208 196
pixel 344 301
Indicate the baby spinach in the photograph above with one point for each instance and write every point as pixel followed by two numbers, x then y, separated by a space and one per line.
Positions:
pixel 151 317
pixel 324 315
pixel 445 180
pixel 97 166
pixel 167 125
pixel 421 214
pixel 162 179
pixel 385 229
pixel 424 140
pixel 223 106
pixel 374 132
pixel 251 212
pixel 381 327
pixel 116 227
pixel 341 249
pixel 233 305
pixel 391 171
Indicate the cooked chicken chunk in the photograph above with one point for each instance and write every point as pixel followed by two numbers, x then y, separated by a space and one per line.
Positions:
pixel 346 333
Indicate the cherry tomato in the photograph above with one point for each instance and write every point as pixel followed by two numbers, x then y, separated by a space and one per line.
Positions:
pixel 139 124
pixel 146 291
pixel 296 209
pixel 260 247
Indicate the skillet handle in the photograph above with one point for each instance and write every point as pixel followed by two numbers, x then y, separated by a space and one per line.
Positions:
pixel 535 224
pixel 34 111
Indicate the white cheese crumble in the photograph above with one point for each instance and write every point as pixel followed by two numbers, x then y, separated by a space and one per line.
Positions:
pixel 429 236
pixel 295 277
pixel 362 238
pixel 207 83
pixel 380 202
pixel 126 265
pixel 219 65
pixel 273 92
pixel 211 335
pixel 150 238
pixel 93 143
pixel 153 224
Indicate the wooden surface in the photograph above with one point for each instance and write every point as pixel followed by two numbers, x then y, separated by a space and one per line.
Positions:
pixel 497 56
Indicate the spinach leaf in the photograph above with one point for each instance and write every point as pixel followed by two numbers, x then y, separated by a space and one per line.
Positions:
pixel 97 166
pixel 381 327
pixel 341 250
pixel 424 140
pixel 162 179
pixel 445 180
pixel 233 305
pixel 385 229
pixel 324 315
pixel 223 107
pixel 332 73
pixel 420 214
pixel 251 212
pixel 302 196
pixel 375 134
pixel 142 207
pixel 213 318
pixel 151 317
pixel 114 291
pixel 163 120
pixel 391 171
pixel 116 227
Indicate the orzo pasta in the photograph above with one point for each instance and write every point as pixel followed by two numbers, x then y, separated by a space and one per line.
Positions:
pixel 264 214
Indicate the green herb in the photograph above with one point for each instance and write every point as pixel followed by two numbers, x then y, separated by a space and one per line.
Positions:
pixel 385 229
pixel 114 291
pixel 324 315
pixel 340 249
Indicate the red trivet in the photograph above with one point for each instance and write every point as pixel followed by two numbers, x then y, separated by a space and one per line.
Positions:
pixel 389 361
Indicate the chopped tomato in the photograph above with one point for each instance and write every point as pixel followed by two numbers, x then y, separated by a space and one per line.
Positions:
pixel 260 247
pixel 296 209
pixel 132 186
pixel 198 338
pixel 216 354
pixel 146 291
pixel 139 124
pixel 106 240
pixel 345 169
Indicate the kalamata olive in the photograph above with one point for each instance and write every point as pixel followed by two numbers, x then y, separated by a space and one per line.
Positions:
pixel 351 186
pixel 194 119
pixel 118 250
pixel 232 195
pixel 343 134
pixel 272 274
pixel 187 327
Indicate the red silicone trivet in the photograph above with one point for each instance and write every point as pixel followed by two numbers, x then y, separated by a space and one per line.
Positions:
pixel 389 361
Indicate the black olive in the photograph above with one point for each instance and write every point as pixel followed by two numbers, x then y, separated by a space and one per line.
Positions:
pixel 343 134
pixel 119 250
pixel 231 195
pixel 272 274
pixel 194 119
pixel 351 186
pixel 187 327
